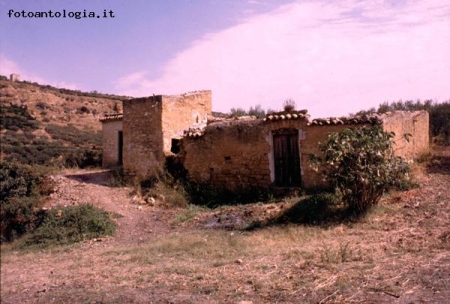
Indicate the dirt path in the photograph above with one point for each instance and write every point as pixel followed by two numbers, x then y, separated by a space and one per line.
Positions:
pixel 136 222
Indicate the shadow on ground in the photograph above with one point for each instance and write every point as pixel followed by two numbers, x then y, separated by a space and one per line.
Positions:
pixel 439 164
pixel 323 209
pixel 102 178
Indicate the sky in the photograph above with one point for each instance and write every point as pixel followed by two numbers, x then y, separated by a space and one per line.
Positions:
pixel 331 57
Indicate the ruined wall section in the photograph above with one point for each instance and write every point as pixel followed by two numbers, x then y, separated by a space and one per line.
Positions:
pixel 232 154
pixel 143 139
pixel 316 135
pixel 414 123
pixel 110 133
pixel 181 112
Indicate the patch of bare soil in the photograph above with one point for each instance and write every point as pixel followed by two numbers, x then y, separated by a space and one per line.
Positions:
pixel 398 253
pixel 136 221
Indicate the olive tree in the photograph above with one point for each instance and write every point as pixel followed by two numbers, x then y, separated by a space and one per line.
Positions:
pixel 361 165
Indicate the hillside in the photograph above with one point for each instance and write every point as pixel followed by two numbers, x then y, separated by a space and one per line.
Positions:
pixel 46 125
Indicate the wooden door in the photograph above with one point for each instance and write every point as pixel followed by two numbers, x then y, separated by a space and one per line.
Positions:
pixel 287 158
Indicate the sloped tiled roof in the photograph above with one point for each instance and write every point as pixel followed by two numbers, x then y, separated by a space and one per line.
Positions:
pixel 355 120
pixel 295 115
pixel 112 117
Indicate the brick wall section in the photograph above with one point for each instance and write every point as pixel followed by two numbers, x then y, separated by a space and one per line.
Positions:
pixel 414 123
pixel 143 140
pixel 110 132
pixel 181 112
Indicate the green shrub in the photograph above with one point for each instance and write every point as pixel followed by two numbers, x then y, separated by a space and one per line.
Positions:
pixel 20 192
pixel 19 216
pixel 360 164
pixel 18 181
pixel 70 225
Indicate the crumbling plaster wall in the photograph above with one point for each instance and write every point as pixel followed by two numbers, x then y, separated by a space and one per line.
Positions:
pixel 143 139
pixel 181 112
pixel 110 134
pixel 231 154
pixel 235 153
pixel 414 123
pixel 240 153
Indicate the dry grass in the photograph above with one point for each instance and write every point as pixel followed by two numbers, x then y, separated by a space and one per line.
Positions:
pixel 398 253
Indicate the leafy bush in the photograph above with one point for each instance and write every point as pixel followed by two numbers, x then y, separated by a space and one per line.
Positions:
pixel 16 181
pixel 360 164
pixel 20 192
pixel 72 224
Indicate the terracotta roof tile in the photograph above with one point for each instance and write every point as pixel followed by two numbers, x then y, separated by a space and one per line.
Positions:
pixel 303 114
pixel 112 117
pixel 363 119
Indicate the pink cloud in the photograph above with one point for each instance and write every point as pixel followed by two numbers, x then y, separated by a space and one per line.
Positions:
pixel 329 58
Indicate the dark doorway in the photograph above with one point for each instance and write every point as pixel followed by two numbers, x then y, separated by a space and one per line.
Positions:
pixel 287 158
pixel 120 160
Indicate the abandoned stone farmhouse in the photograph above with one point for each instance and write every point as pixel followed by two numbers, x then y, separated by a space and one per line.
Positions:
pixel 240 152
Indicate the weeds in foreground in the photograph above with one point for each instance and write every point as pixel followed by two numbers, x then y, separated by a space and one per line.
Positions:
pixel 70 225
pixel 188 214
pixel 115 178
pixel 344 253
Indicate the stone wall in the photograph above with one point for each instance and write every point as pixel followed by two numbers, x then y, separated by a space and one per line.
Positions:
pixel 231 154
pixel 235 153
pixel 240 153
pixel 150 124
pixel 110 136
pixel 414 123
pixel 143 139
pixel 181 112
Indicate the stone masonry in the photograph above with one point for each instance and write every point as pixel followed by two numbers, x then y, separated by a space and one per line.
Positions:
pixel 150 124
pixel 240 153
pixel 237 153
